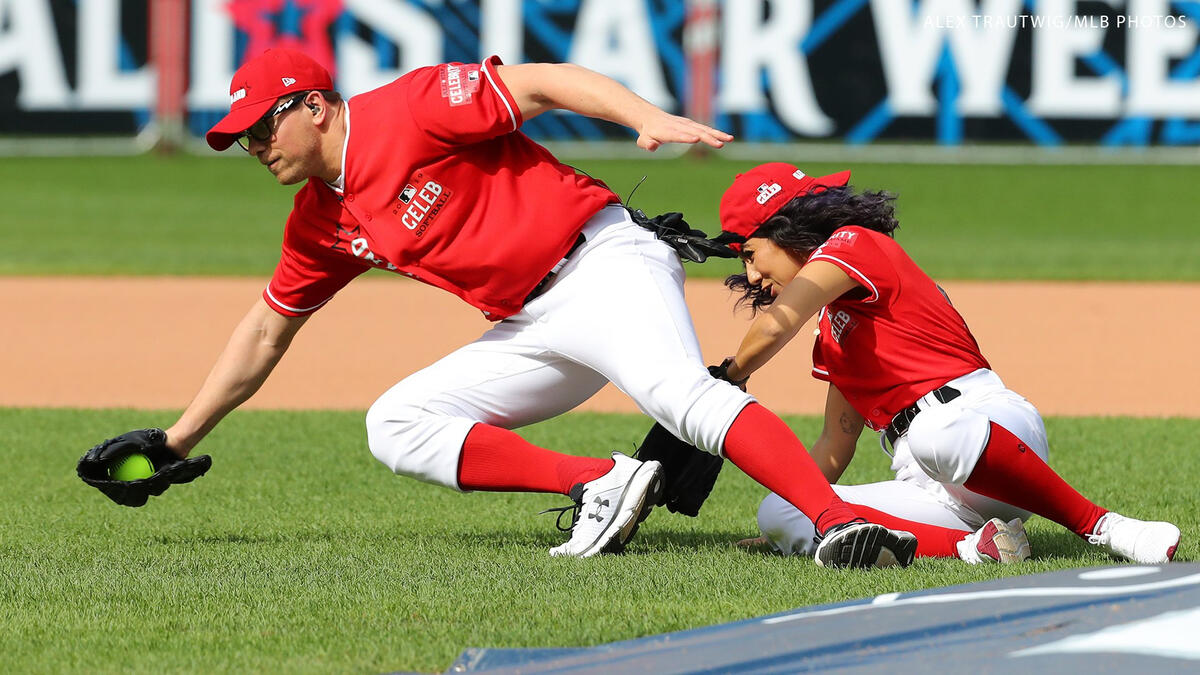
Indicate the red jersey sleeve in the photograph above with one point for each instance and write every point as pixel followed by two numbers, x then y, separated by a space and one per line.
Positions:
pixel 856 252
pixel 307 276
pixel 460 104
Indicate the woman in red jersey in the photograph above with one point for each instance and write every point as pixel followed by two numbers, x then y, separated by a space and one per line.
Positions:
pixel 899 359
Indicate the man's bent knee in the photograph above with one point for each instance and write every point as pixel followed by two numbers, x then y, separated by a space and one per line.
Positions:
pixel 414 442
pixel 704 417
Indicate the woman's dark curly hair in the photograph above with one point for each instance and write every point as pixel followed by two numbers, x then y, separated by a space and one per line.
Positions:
pixel 807 221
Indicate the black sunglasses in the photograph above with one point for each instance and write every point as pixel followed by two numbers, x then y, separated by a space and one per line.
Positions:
pixel 262 130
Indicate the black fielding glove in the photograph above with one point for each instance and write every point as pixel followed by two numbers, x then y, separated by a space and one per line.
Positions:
pixel 691 245
pixel 169 469
pixel 721 372
pixel 690 473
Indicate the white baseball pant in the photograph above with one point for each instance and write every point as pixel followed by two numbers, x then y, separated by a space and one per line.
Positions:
pixel 615 312
pixel 931 461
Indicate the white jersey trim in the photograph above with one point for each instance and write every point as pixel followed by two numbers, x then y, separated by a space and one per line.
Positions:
pixel 500 92
pixel 339 185
pixel 272 298
pixel 860 275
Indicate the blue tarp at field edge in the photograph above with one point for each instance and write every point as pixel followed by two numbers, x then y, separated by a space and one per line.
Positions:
pixel 1105 619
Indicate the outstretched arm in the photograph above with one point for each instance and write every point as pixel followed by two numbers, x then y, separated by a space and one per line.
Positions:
pixel 257 344
pixel 538 87
pixel 818 284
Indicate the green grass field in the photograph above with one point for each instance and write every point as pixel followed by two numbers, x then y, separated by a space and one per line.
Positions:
pixel 298 552
pixel 215 215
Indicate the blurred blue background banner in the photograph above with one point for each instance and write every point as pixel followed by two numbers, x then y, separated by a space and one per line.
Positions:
pixel 949 72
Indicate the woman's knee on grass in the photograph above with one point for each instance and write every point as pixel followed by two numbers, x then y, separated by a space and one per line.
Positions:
pixel 786 527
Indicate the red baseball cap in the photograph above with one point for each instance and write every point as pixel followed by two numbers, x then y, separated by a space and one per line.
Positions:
pixel 759 193
pixel 259 83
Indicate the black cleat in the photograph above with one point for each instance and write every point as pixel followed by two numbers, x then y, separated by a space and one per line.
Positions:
pixel 859 544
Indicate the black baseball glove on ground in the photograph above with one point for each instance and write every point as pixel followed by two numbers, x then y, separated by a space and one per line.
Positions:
pixel 690 473
pixel 168 467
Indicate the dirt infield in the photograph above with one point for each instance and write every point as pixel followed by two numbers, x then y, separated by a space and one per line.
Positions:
pixel 1071 348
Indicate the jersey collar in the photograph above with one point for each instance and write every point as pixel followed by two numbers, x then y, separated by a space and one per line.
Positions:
pixel 339 185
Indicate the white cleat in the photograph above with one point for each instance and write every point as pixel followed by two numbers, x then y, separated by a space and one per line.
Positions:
pixel 1141 541
pixel 996 542
pixel 611 506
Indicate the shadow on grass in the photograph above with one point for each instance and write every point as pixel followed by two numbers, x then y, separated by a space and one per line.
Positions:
pixel 233 538
pixel 711 539
pixel 1064 544
pixel 238 539
pixel 1060 544
pixel 1046 545
pixel 643 543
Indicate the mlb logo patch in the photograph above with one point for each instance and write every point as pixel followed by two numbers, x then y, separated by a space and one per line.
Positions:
pixel 407 193
pixel 766 191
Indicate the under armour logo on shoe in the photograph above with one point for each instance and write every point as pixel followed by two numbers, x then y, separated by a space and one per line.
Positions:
pixel 595 515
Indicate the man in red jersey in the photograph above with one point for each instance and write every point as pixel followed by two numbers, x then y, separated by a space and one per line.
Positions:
pixel 900 359
pixel 430 177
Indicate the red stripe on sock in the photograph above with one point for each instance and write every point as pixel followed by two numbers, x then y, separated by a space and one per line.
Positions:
pixel 498 460
pixel 1011 472
pixel 760 444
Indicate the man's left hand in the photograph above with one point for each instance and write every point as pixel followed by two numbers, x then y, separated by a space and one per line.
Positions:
pixel 667 128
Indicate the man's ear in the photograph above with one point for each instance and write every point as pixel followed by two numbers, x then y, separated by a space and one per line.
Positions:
pixel 317 105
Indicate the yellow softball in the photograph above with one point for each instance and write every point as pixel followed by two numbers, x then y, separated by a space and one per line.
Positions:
pixel 131 467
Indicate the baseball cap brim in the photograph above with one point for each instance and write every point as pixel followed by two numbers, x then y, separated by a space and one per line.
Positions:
pixel 838 179
pixel 225 132
pixel 259 83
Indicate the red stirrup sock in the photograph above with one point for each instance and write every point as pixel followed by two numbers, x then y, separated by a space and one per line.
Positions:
pixel 1011 472
pixel 760 444
pixel 498 460
pixel 933 541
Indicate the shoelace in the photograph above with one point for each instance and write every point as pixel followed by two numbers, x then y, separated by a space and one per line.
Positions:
pixel 1096 538
pixel 573 508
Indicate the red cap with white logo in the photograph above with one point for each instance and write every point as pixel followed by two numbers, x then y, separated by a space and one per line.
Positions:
pixel 759 193
pixel 259 83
